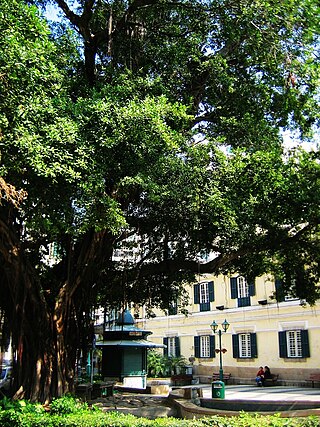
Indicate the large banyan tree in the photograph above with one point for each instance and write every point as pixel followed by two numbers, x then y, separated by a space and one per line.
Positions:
pixel 154 128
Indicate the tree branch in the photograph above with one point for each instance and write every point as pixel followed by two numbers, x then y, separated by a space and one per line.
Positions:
pixel 73 17
pixel 174 265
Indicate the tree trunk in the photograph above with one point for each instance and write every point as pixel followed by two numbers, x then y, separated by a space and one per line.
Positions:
pixel 46 328
pixel 41 366
pixel 90 51
pixel 29 319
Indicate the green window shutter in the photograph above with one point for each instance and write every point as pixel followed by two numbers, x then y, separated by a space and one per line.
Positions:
pixel 279 290
pixel 196 291
pixel 173 308
pixel 235 346
pixel 196 346
pixel 305 343
pixel 205 306
pixel 211 291
pixel 283 344
pixel 244 302
pixel 165 350
pixel 177 346
pixel 252 289
pixel 234 288
pixel 253 342
pixel 212 346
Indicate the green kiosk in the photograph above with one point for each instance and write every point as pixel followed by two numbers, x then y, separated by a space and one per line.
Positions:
pixel 124 352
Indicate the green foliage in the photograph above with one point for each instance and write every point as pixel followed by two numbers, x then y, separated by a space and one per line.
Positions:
pixel 157 364
pixel 85 417
pixel 7 404
pixel 162 366
pixel 176 364
pixel 67 405
pixel 119 156
pixel 232 70
pixel 123 137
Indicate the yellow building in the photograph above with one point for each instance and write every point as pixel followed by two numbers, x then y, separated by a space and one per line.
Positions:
pixel 282 335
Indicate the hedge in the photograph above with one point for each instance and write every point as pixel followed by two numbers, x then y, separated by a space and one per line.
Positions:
pixel 69 412
pixel 12 418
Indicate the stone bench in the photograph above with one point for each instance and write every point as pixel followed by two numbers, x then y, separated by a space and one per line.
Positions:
pixel 314 378
pixel 271 381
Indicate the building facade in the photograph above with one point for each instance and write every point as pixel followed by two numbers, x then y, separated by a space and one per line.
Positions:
pixel 265 328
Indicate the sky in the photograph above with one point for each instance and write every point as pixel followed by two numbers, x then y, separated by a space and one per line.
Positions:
pixel 51 13
pixel 291 140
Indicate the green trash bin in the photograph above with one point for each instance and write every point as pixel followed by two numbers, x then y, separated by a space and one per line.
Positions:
pixel 218 390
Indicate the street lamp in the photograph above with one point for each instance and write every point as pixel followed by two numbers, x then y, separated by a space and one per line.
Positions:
pixel 214 326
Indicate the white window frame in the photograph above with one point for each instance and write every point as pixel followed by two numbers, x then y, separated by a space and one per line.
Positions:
pixel 294 343
pixel 244 345
pixel 205 346
pixel 204 292
pixel 243 287
pixel 171 346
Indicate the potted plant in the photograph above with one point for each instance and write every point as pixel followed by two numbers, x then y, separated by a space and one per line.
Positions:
pixel 177 365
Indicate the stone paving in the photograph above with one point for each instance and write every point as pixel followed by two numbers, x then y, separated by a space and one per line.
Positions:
pixel 276 393
pixel 140 405
pixel 155 406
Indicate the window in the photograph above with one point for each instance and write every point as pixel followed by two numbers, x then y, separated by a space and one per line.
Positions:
pixel 244 345
pixel 173 308
pixel 294 344
pixel 242 290
pixel 204 346
pixel 243 287
pixel 172 346
pixel 281 294
pixel 203 295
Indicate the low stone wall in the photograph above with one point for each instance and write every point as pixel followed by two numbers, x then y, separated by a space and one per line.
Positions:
pixel 188 410
pixel 159 387
pixel 246 375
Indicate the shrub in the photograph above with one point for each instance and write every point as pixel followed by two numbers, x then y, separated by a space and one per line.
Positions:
pixel 69 412
pixel 159 365
pixel 67 405
pixel 7 404
pixel 10 418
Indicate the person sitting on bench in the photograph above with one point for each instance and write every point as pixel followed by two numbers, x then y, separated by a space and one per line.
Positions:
pixel 260 376
pixel 267 374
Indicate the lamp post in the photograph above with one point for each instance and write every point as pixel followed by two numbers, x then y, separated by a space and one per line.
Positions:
pixel 214 326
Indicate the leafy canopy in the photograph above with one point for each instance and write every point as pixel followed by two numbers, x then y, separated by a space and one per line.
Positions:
pixel 162 120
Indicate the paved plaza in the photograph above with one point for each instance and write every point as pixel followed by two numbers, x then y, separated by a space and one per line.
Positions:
pixel 153 406
pixel 276 393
